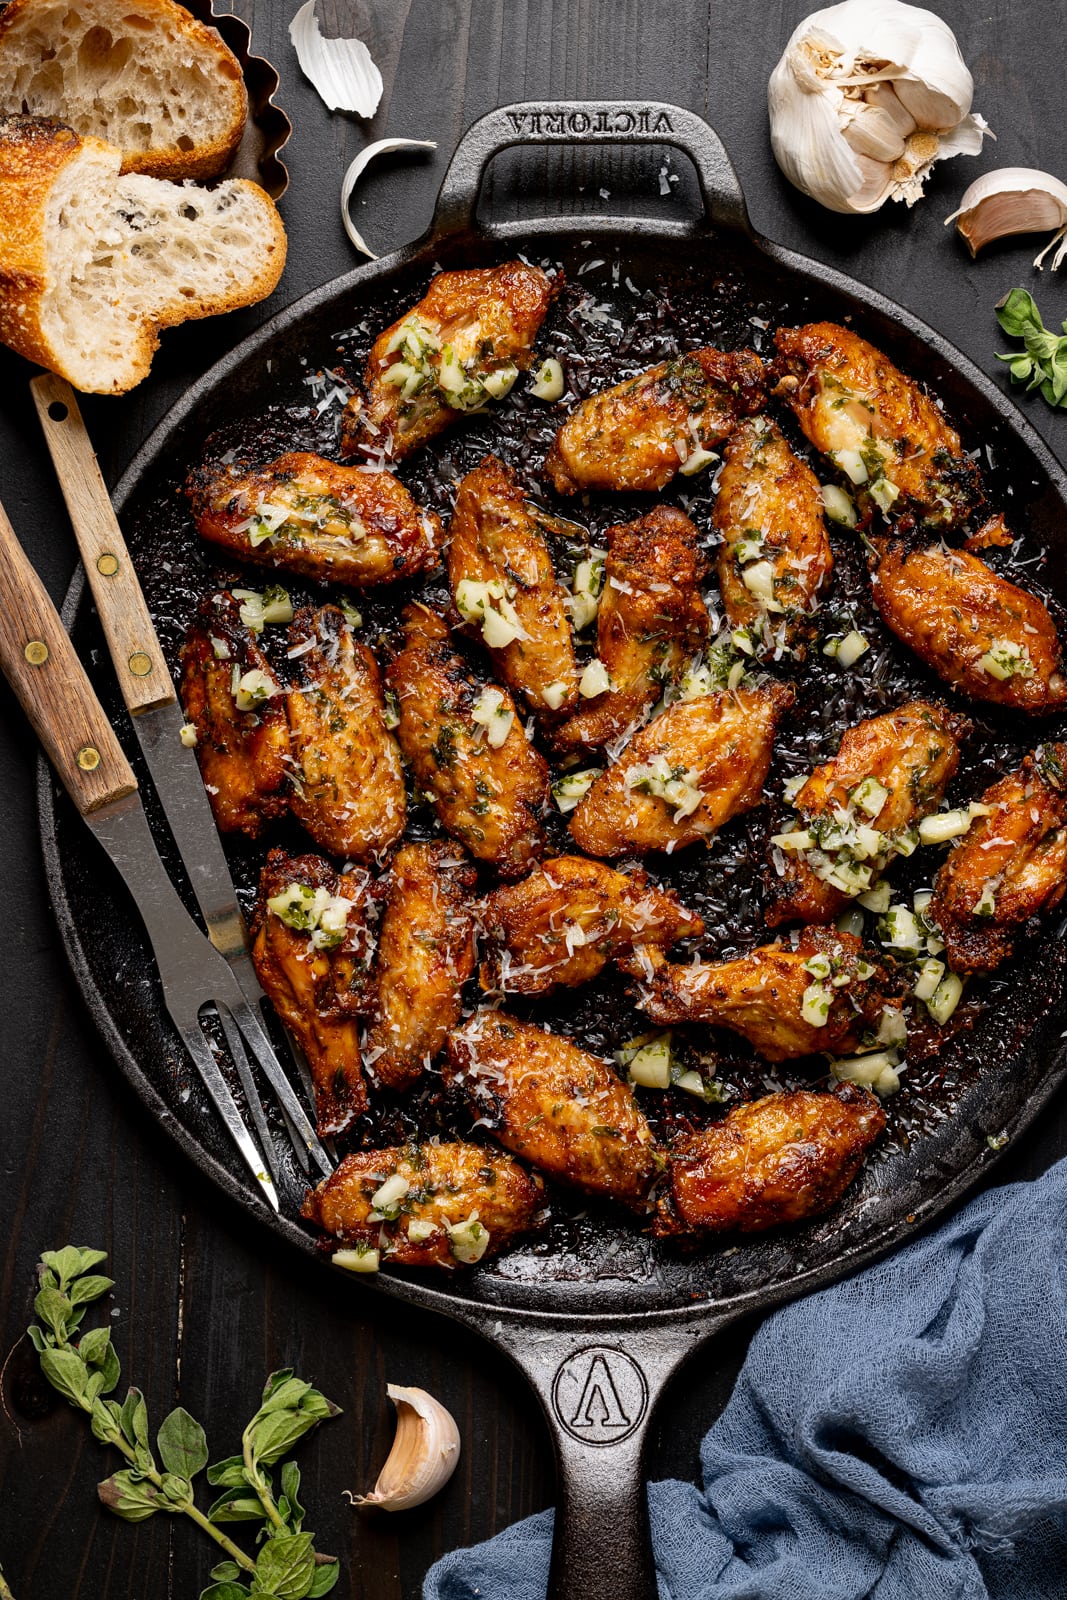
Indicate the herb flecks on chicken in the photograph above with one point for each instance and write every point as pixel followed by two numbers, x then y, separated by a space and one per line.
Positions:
pixel 459 350
pixel 779 1159
pixel 312 948
pixel 640 433
pixel 878 427
pixel 301 513
pixel 427 1205
pixel 1010 866
pixel 565 1111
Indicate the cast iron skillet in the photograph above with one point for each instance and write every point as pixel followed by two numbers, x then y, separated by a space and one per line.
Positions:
pixel 601 1321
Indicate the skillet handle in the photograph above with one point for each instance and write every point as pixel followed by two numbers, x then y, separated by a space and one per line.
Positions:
pixel 579 122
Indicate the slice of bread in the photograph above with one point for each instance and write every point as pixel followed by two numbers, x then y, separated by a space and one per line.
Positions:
pixel 93 265
pixel 143 74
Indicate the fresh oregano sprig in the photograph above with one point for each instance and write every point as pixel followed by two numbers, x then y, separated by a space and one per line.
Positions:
pixel 86 1372
pixel 1042 363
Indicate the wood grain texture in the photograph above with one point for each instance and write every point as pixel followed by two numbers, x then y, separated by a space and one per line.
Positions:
pixel 203 1314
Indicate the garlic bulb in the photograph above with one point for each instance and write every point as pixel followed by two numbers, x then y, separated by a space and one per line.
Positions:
pixel 867 96
pixel 1014 200
pixel 424 1455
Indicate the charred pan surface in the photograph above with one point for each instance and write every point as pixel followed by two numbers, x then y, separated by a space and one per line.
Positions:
pixel 1010 866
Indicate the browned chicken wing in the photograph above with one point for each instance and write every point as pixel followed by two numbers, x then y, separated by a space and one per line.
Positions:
pixel 1011 864
pixel 348 786
pixel 564 923
pixel 495 539
pixel 304 514
pixel 769 996
pixel 425 956
pixel 243 753
pixel 775 555
pixel 460 348
pixel 973 628
pixel 312 953
pixel 650 622
pixel 878 426
pixel 638 434
pixel 426 1205
pixel 560 1108
pixel 487 782
pixel 888 772
pixel 779 1159
pixel 680 779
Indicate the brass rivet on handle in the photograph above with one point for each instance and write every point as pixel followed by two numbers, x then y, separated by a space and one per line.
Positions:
pixel 107 565
pixel 88 758
pixel 140 664
pixel 36 652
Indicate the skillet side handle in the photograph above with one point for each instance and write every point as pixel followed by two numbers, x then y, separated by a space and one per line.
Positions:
pixel 579 122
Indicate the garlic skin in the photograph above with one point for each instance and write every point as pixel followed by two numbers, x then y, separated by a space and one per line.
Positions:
pixel 341 69
pixel 370 153
pixel 1014 200
pixel 866 97
pixel 424 1454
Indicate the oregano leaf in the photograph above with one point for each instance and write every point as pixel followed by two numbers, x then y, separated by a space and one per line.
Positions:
pixel 105 1421
pixel 286 1566
pixel 65 1371
pixel 83 1290
pixel 182 1444
pixel 129 1497
pixel 65 1263
pixel 224 1591
pixel 291 1490
pixel 225 1571
pixel 228 1473
pixel 53 1309
pixel 326 1575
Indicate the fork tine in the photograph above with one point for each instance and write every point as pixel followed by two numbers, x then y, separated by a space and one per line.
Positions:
pixel 239 1057
pixel 258 1041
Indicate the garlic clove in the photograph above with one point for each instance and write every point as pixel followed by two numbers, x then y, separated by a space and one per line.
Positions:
pixel 1011 200
pixel 424 1453
pixel 874 133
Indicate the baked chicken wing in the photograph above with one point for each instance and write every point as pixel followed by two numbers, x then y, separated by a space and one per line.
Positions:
pixel 460 348
pixel 1011 864
pixel 973 628
pixel 468 749
pixel 558 1107
pixel 304 514
pixel 878 426
pixel 822 994
pixel 638 434
pixel 426 1205
pixel 566 921
pixel 779 1159
pixel 889 772
pixel 694 767
pixel 650 621
pixel 775 556
pixel 242 736
pixel 495 541
pixel 425 956
pixel 348 782
pixel 312 952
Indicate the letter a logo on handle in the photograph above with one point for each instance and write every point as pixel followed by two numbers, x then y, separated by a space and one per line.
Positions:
pixel 599 1406
pixel 600 1395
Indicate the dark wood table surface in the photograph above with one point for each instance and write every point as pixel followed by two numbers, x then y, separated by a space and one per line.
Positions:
pixel 204 1306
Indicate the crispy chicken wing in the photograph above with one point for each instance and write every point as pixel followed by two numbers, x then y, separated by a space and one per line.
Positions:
pixel 888 772
pixel 1010 865
pixel 312 952
pixel 680 779
pixel 495 539
pixel 877 425
pixel 651 620
pixel 559 1107
pixel 973 628
pixel 425 956
pixel 638 434
pixel 461 347
pixel 566 921
pixel 768 996
pixel 243 754
pixel 304 514
pixel 779 1159
pixel 488 794
pixel 443 1205
pixel 348 790
pixel 775 555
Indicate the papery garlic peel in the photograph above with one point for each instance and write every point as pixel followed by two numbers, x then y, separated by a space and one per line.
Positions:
pixel 866 97
pixel 1014 200
pixel 341 69
pixel 424 1454
pixel 355 172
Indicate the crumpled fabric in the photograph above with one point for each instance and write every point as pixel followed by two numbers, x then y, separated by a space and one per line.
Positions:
pixel 901 1435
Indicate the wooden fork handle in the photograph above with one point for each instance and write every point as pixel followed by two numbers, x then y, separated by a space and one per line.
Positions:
pixel 131 637
pixel 41 665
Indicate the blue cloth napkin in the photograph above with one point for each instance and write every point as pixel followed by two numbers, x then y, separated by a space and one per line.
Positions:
pixel 899 1436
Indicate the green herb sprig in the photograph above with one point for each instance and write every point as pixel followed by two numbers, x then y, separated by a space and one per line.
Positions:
pixel 85 1373
pixel 1042 364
